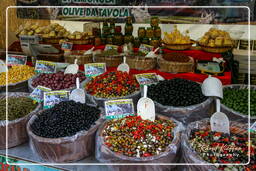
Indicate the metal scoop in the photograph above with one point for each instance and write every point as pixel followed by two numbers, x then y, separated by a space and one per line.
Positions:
pixel 124 67
pixel 72 69
pixel 78 94
pixel 146 106
pixel 152 54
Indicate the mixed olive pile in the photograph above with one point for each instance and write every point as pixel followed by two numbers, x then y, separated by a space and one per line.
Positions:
pixel 58 81
pixel 18 107
pixel 176 92
pixel 134 137
pixel 112 84
pixel 17 74
pixel 176 57
pixel 65 119
pixel 216 147
pixel 237 99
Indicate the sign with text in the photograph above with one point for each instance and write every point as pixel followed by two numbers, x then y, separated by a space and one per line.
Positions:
pixel 16 60
pixel 34 39
pixel 94 69
pixel 54 97
pixel 110 47
pixel 38 93
pixel 147 78
pixel 67 46
pixel 45 66
pixel 145 48
pixel 119 108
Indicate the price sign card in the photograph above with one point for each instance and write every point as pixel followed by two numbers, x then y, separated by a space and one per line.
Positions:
pixel 54 97
pixel 34 39
pixel 119 108
pixel 145 48
pixel 94 69
pixel 253 127
pixel 45 67
pixel 110 47
pixel 38 93
pixel 16 60
pixel 147 78
pixel 67 46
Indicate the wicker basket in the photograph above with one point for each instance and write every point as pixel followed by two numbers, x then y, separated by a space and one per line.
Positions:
pixel 175 67
pixel 215 49
pixel 79 41
pixel 81 58
pixel 141 63
pixel 178 46
pixel 51 40
pixel 111 61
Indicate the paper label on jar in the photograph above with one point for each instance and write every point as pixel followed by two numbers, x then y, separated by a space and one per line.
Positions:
pixel 38 93
pixel 110 47
pixel 45 66
pixel 54 97
pixel 94 69
pixel 253 127
pixel 147 78
pixel 220 122
pixel 66 46
pixel 144 48
pixel 16 60
pixel 119 108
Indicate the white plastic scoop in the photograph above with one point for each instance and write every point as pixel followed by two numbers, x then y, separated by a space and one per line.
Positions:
pixel 90 51
pixel 78 94
pixel 124 67
pixel 146 106
pixel 2 66
pixel 152 54
pixel 72 69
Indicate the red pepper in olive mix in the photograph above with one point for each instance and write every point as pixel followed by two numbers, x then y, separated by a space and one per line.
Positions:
pixel 112 84
pixel 216 147
pixel 134 137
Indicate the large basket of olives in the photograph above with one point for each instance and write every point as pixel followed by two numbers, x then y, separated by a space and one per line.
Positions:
pixel 111 57
pixel 235 102
pixel 20 109
pixel 80 56
pixel 141 63
pixel 200 145
pixel 134 140
pixel 64 133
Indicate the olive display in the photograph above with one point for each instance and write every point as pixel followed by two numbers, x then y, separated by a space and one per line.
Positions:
pixel 237 99
pixel 58 81
pixel 176 92
pixel 65 119
pixel 18 107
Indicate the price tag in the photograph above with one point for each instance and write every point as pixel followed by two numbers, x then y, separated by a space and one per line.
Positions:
pixel 66 46
pixel 119 108
pixel 45 66
pixel 110 47
pixel 147 78
pixel 220 122
pixel 16 60
pixel 94 69
pixel 34 39
pixel 144 48
pixel 54 97
pixel 38 93
pixel 253 127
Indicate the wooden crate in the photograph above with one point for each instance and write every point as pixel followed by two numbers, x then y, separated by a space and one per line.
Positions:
pixel 242 57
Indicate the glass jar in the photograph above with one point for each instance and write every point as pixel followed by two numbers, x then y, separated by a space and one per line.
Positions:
pixel 106 30
pixel 154 21
pixel 109 40
pixel 105 23
pixel 150 33
pixel 129 20
pixel 155 42
pixel 118 39
pixel 157 32
pixel 136 42
pixel 97 41
pixel 128 39
pixel 118 29
pixel 96 32
pixel 128 29
pixel 103 40
pixel 145 40
pixel 141 32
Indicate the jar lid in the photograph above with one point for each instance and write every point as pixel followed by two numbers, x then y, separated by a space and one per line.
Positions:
pixel 149 28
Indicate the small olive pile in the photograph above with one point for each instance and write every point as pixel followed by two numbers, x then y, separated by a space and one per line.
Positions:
pixel 58 81
pixel 176 57
pixel 176 92
pixel 112 84
pixel 134 137
pixel 237 99
pixel 18 107
pixel 65 119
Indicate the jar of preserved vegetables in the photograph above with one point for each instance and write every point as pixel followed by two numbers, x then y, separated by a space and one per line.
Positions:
pixel 145 40
pixel 141 32
pixel 97 41
pixel 106 30
pixel 136 43
pixel 128 29
pixel 155 42
pixel 157 32
pixel 128 38
pixel 103 40
pixel 129 20
pixel 154 22
pixel 150 32
pixel 118 39
pixel 109 40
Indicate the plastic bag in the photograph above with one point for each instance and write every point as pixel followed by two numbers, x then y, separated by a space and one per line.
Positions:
pixel 97 101
pixel 232 114
pixel 186 114
pixel 17 133
pixel 189 155
pixel 65 149
pixel 105 155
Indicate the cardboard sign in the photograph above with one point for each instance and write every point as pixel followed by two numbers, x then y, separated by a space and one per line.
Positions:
pixel 54 97
pixel 253 127
pixel 16 60
pixel 94 69
pixel 144 48
pixel 67 46
pixel 147 78
pixel 220 123
pixel 119 108
pixel 38 93
pixel 45 66
pixel 110 47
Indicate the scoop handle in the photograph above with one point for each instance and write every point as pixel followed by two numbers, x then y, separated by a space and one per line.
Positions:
pixel 217 105
pixel 156 50
pixel 77 83
pixel 145 90
pixel 124 59
pixel 75 61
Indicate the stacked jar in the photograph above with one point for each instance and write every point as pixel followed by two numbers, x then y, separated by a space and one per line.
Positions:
pixel 128 38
